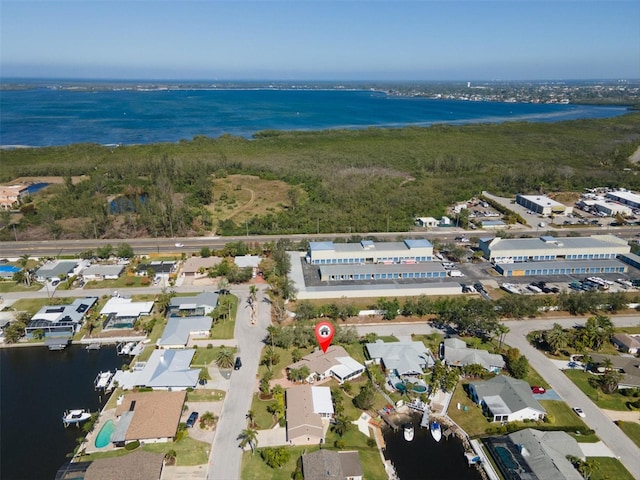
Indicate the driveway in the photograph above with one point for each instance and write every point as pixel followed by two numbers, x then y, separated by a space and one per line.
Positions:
pixel 621 445
pixel 226 455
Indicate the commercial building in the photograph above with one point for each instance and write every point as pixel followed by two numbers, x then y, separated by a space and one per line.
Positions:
pixel 573 267
pixel 367 251
pixel 630 259
pixel 542 205
pixel 545 248
pixel 605 208
pixel 625 197
pixel 343 272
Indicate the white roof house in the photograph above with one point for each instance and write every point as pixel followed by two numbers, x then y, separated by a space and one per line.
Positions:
pixel 124 307
pixel 178 330
pixel 405 358
pixel 246 261
pixel 169 369
pixel 506 399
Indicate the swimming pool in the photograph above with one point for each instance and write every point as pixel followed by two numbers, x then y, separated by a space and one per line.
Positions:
pixel 9 269
pixel 104 436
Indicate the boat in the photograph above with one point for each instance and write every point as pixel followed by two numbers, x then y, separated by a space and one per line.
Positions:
pixel 408 431
pixel 436 431
pixel 71 417
pixel 93 346
pixel 102 380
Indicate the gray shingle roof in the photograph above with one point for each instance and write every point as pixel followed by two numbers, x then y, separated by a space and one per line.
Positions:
pixel 456 353
pixel 515 394
pixel 404 357
pixel 329 465
pixel 178 329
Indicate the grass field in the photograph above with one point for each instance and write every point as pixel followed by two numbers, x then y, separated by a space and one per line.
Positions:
pixel 472 420
pixel 610 469
pixel 10 286
pixel 32 305
pixel 614 401
pixel 205 395
pixel 254 468
pixel 632 430
pixel 563 414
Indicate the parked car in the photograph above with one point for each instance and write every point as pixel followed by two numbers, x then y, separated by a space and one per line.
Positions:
pixel 579 412
pixel 191 421
pixel 538 390
pixel 237 364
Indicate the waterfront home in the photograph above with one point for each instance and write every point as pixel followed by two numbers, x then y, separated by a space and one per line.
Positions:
pixel 506 399
pixel 149 417
pixel 178 330
pixel 308 413
pixel 56 320
pixel 197 305
pixel 327 464
pixel 531 453
pixel 122 312
pixel 165 370
pixel 457 354
pixel 335 362
pixel 138 465
pixel 401 358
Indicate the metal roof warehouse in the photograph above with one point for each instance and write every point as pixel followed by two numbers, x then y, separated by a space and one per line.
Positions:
pixel 574 267
pixel 367 251
pixel 381 271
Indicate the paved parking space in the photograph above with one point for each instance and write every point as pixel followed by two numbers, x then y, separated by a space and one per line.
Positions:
pixel 597 449
pixel 548 395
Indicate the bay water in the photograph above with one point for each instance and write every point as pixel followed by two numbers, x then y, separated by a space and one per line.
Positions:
pixel 48 114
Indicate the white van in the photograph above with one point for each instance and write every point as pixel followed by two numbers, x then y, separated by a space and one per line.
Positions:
pixel 456 273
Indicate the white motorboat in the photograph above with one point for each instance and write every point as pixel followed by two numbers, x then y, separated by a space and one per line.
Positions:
pixel 71 417
pixel 102 380
pixel 436 431
pixel 408 432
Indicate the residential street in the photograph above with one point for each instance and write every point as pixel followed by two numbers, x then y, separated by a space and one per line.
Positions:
pixel 226 455
pixel 609 433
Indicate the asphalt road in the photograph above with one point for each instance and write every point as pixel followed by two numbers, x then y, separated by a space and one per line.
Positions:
pixel 226 455
pixel 56 248
pixel 626 451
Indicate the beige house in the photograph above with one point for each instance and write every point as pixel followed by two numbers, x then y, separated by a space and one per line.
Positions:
pixel 627 343
pixel 335 362
pixel 149 417
pixel 309 410
pixel 193 265
pixel 11 194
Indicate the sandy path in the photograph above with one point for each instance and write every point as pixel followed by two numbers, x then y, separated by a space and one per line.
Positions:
pixel 624 416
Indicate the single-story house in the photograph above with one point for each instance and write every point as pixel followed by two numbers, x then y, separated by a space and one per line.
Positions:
pixel 149 417
pixel 178 330
pixel 327 464
pixel 248 261
pixel 628 366
pixel 60 319
pixel 158 268
pixel 308 411
pixel 122 312
pixel 627 343
pixel 56 269
pixel 138 465
pixel 168 370
pixel 193 265
pixel 402 358
pixel 531 453
pixel 335 362
pixel 202 304
pixel 426 222
pixel 457 354
pixel 506 399
pixel 8 271
pixel 98 273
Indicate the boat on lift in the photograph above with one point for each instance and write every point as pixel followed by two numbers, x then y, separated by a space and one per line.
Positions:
pixel 71 417
pixel 408 432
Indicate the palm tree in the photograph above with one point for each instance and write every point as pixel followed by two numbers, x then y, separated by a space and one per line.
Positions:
pixel 248 436
pixel 271 357
pixel 501 330
pixel 252 300
pixel 224 358
pixel 588 468
pixel 251 416
pixel 556 338
pixel 341 425
pixel 170 457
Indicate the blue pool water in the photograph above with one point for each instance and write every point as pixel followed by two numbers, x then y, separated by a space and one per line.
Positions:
pixel 8 268
pixel 104 436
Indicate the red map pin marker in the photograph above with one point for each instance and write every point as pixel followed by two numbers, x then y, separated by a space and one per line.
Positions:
pixel 324 335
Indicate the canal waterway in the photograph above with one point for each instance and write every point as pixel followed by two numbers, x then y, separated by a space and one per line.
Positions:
pixel 424 458
pixel 36 387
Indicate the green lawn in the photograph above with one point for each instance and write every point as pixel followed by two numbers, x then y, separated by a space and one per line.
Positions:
pixel 472 420
pixel 254 468
pixel 614 401
pixel 224 329
pixel 188 451
pixel 205 395
pixel 431 341
pixel 285 361
pixel 6 287
pixel 632 430
pixel 263 419
pixel 563 414
pixel 32 305
pixel 204 356
pixel 610 469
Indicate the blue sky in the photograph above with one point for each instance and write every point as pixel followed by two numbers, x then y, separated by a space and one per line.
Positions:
pixel 321 40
